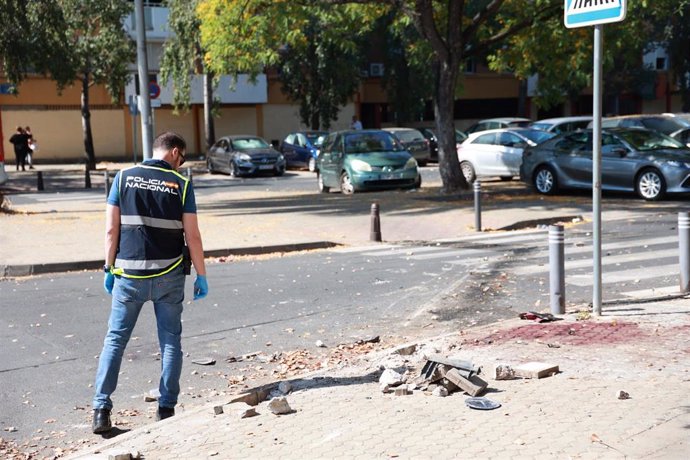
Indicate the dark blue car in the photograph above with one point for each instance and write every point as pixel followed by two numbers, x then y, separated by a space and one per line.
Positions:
pixel 301 148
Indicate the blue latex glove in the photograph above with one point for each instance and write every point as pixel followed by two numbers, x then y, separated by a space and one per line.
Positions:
pixel 108 283
pixel 200 287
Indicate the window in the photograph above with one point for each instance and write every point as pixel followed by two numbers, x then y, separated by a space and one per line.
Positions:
pixel 290 139
pixel 248 143
pixel 509 140
pixel 489 139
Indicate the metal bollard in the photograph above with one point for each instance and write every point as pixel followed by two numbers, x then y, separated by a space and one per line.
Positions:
pixel 557 269
pixel 87 177
pixel 39 181
pixel 106 176
pixel 684 250
pixel 375 232
pixel 477 205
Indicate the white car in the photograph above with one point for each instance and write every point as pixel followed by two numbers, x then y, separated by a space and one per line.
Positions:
pixel 497 152
pixel 562 124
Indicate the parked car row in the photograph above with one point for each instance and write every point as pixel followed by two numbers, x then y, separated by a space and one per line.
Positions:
pixel 645 154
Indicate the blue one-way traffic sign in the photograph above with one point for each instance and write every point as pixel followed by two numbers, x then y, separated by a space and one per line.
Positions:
pixel 580 13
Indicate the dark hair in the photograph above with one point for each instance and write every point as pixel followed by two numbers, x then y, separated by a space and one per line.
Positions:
pixel 168 141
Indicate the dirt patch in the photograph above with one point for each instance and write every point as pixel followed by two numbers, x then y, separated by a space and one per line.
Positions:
pixel 582 333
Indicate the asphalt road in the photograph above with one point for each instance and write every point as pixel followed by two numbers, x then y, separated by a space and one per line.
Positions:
pixel 52 327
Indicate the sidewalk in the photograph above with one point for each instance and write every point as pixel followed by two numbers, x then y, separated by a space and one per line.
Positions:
pixel 341 412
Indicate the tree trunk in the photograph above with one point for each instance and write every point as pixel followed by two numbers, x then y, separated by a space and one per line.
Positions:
pixel 86 123
pixel 444 101
pixel 209 125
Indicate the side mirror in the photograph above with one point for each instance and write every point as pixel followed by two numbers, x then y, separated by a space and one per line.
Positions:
pixel 620 151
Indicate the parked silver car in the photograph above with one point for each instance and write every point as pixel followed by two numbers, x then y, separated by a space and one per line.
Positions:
pixel 632 159
pixel 414 142
pixel 497 152
pixel 242 155
pixel 676 127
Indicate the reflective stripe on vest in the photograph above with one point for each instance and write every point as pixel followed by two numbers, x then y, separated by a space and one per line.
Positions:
pixel 151 222
pixel 145 264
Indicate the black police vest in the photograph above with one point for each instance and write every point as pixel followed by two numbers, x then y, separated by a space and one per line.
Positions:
pixel 151 233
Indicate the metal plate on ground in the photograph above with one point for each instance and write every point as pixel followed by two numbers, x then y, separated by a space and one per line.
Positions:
pixel 481 403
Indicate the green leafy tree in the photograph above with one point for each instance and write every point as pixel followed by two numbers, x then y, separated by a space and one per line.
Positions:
pixel 183 57
pixel 100 52
pixel 319 64
pixel 676 33
pixel 68 40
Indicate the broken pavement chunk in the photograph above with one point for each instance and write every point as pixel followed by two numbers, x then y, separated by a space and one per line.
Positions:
pixel 440 392
pixel 152 395
pixel 390 377
pixel 285 387
pixel 279 406
pixel 407 350
pixel 217 410
pixel 402 391
pixel 535 370
pixel 204 361
pixel 503 372
pixel 620 394
pixel 473 386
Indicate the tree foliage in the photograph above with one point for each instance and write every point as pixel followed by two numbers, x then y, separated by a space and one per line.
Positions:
pixel 183 57
pixel 68 40
pixel 319 64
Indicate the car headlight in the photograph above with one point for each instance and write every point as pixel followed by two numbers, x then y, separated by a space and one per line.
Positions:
pixel 244 157
pixel 359 165
pixel 281 158
pixel 411 163
pixel 678 164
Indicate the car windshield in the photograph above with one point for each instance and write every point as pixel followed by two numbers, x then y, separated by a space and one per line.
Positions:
pixel 366 142
pixel 536 135
pixel 460 136
pixel 664 125
pixel 409 136
pixel 316 139
pixel 644 140
pixel 249 143
pixel 542 126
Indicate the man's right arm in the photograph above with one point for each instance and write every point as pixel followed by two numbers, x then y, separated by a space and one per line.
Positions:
pixel 112 232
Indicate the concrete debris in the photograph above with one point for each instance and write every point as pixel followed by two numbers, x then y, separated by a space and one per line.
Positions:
pixel 279 406
pixel 402 391
pixel 535 370
pixel 152 395
pixel 440 392
pixel 217 410
pixel 120 454
pixel 320 344
pixel 503 372
pixel 285 387
pixel 247 412
pixel 391 377
pixel 204 361
pixel 473 386
pixel 620 394
pixel 385 388
pixel 407 350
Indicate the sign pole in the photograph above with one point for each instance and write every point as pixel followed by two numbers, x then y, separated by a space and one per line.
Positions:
pixel 596 169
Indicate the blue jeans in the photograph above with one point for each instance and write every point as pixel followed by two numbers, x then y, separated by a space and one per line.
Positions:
pixel 129 295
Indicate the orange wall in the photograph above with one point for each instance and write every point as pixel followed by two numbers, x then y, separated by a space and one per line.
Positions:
pixel 41 91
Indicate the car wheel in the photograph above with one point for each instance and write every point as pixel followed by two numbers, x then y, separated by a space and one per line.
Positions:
pixel 418 182
pixel 650 185
pixel 322 188
pixel 209 166
pixel 279 172
pixel 545 180
pixel 312 164
pixel 468 171
pixel 234 169
pixel 346 186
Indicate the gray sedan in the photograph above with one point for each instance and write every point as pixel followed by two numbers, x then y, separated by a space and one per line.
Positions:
pixel 242 155
pixel 632 159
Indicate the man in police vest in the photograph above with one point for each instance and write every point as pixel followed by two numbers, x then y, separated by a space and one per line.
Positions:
pixel 150 221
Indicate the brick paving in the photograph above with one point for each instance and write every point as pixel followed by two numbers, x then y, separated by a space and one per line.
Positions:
pixel 341 413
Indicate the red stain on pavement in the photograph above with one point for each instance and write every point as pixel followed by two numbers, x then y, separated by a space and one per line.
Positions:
pixel 583 333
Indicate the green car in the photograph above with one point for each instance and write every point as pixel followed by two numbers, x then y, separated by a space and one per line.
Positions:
pixel 365 160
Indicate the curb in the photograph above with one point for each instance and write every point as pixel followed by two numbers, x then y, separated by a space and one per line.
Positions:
pixel 7 271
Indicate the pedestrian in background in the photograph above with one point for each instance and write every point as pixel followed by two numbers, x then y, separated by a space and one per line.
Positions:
pixel 33 147
pixel 150 222
pixel 21 145
pixel 356 124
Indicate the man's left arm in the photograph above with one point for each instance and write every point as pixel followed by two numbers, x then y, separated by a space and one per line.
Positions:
pixel 192 234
